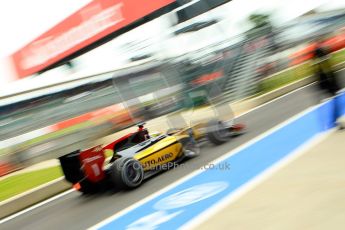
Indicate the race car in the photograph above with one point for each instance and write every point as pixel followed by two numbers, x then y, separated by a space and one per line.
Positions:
pixel 139 155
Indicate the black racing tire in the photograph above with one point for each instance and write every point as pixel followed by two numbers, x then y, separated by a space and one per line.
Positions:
pixel 126 173
pixel 217 133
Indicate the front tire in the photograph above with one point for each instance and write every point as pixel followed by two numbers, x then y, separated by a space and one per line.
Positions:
pixel 217 133
pixel 126 173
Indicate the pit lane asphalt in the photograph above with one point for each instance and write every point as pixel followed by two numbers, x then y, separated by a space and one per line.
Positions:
pixel 74 211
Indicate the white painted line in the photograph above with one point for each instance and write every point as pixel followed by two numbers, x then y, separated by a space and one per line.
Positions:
pixel 238 193
pixel 275 99
pixel 35 206
pixel 198 171
pixel 339 70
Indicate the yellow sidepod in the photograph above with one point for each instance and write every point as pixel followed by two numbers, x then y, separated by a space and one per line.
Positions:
pixel 160 153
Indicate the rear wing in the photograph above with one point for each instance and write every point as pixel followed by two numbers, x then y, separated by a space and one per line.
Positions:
pixel 84 165
pixel 71 167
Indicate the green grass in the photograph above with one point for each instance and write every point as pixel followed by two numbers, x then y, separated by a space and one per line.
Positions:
pixel 285 77
pixel 338 57
pixel 295 73
pixel 20 183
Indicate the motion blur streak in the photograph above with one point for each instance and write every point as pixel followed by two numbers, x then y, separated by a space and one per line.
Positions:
pixel 169 64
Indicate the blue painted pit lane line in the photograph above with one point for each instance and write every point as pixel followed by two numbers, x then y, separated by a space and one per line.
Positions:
pixel 179 205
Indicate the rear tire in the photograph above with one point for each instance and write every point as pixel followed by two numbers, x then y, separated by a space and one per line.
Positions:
pixel 217 133
pixel 126 173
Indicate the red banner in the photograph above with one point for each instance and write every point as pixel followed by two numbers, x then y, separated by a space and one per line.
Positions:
pixel 91 23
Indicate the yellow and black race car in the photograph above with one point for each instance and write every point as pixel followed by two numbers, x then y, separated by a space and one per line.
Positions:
pixel 137 156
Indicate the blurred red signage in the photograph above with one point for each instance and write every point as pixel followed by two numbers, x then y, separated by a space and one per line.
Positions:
pixel 334 43
pixel 206 78
pixel 91 23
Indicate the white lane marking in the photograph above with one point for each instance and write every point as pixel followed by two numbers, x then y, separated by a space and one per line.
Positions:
pixel 238 193
pixel 35 206
pixel 165 188
pixel 339 70
pixel 196 172
pixel 275 99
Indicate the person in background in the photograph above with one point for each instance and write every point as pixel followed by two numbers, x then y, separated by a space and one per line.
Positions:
pixel 326 78
pixel 142 132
